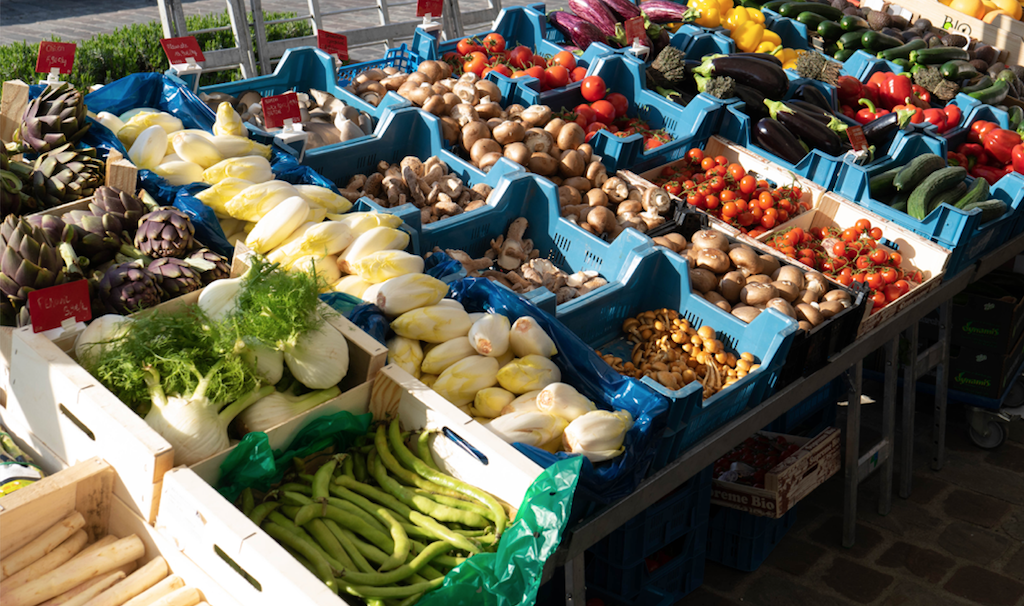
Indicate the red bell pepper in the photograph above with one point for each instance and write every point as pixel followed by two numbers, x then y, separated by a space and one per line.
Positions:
pixel 922 93
pixel 917 114
pixel 870 112
pixel 953 115
pixel 999 143
pixel 895 90
pixel 956 159
pixel 974 153
pixel 848 111
pixel 988 173
pixel 1018 158
pixel 978 130
pixel 849 89
pixel 936 117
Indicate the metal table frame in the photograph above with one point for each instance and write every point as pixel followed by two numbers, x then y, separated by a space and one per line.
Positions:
pixel 857 467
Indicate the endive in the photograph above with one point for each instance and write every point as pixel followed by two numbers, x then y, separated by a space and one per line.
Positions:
pixel 489 335
pixel 324 198
pixel 490 401
pixel 228 121
pixel 386 264
pixel 460 382
pixel 137 124
pixel 533 428
pixel 406 293
pixel 326 267
pixel 371 241
pixel 232 146
pixel 196 149
pixel 562 400
pixel 180 172
pixel 528 373
pixel 250 168
pixel 406 353
pixel 278 224
pixel 325 238
pixel 351 285
pixel 147 150
pixel 435 324
pixel 217 196
pixel 255 201
pixel 598 435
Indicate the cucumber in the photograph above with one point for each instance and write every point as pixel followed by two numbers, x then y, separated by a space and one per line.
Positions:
pixel 876 42
pixel 844 54
pixel 774 5
pixel 900 201
pixel 977 193
pixel 902 52
pixel 881 184
pixel 1016 116
pixel 990 209
pixel 949 196
pixel 792 9
pixel 811 20
pixel 917 169
pixel 852 23
pixel 829 30
pixel 919 203
pixel 957 70
pixel 939 55
pixel 851 40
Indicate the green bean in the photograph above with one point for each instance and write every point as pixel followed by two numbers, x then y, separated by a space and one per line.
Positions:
pixel 305 489
pixel 355 524
pixel 403 474
pixel 373 554
pixel 421 503
pixel 260 511
pixel 457 503
pixel 443 560
pixel 441 530
pixel 369 591
pixel 402 572
pixel 322 477
pixel 423 447
pixel 401 539
pixel 285 523
pixel 290 510
pixel 349 547
pixel 309 511
pixel 355 503
pixel 409 601
pixel 248 502
pixel 298 557
pixel 347 466
pixel 475 533
pixel 295 498
pixel 308 478
pixel 421 468
pixel 372 492
pixel 359 466
pixel 322 535
pixel 375 602
pixel 319 564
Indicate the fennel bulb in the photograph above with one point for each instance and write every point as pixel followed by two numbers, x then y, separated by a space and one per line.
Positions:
pixel 265 360
pixel 318 358
pixel 278 407
pixel 99 334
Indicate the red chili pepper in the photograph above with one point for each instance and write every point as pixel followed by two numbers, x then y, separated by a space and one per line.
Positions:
pixel 936 117
pixel 895 90
pixel 978 130
pixel 988 173
pixel 974 153
pixel 999 142
pixel 870 112
pixel 1018 158
pixel 922 93
pixel 953 115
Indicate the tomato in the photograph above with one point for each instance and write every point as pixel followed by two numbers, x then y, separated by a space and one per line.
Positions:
pixel 695 198
pixel 587 113
pixel 565 59
pixel 476 62
pixel 863 263
pixel 745 219
pixel 556 76
pixel 722 160
pixel 466 46
pixel 593 88
pixel 579 73
pixel 862 225
pixel 596 126
pixel 839 249
pixel 502 69
pixel 695 155
pixel 768 221
pixel 619 102
pixel 875 233
pixel 707 163
pixel 605 111
pixel 903 285
pixel 494 42
pixel 742 205
pixel 716 183
pixel 878 299
pixel 729 210
pixel 536 72
pixel 539 60
pixel 520 57
pixel 895 259
pixel 878 256
pixel 875 281
pixel 846 276
pixel 673 188
pixel 727 195
pixel 652 142
pixel 736 171
pixel 850 235
pixel 711 202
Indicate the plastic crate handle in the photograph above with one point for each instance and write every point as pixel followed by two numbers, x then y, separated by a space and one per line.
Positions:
pixel 464 445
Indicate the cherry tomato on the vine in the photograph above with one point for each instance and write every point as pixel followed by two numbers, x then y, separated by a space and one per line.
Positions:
pixel 593 88
pixel 619 102
pixel 565 59
pixel 605 111
pixel 494 42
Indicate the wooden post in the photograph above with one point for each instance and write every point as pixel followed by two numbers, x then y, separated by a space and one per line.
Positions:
pixel 12 107
pixel 121 173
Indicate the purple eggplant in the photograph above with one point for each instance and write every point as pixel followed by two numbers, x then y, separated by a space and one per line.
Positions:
pixel 663 11
pixel 812 132
pixel 777 139
pixel 763 75
pixel 753 101
pixel 624 9
pixel 593 11
pixel 879 132
pixel 582 33
pixel 812 94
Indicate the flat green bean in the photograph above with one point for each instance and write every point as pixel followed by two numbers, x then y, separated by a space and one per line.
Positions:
pixel 423 447
pixel 294 498
pixel 283 522
pixel 359 466
pixel 305 489
pixel 374 515
pixel 369 591
pixel 348 466
pixel 374 493
pixel 457 503
pixel 354 554
pixel 248 502
pixel 422 503
pixel 406 476
pixel 377 556
pixel 443 560
pixel 319 564
pixel 322 535
pixel 322 477
pixel 260 511
pixel 400 573
pixel 355 524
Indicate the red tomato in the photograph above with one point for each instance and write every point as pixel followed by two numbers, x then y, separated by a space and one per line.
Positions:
pixel 620 102
pixel 586 112
pixel 673 188
pixel 839 249
pixel 712 202
pixel 536 72
pixel 520 57
pixel 875 233
pixel 565 59
pixel 863 225
pixel 475 62
pixel 737 172
pixel 467 46
pixel 695 198
pixel 903 285
pixel 596 126
pixel 716 183
pixel 556 76
pixel 729 210
pixel 875 281
pixel 494 42
pixel 695 155
pixel 605 111
pixel 653 142
pixel 748 184
pixel 863 262
pixel 503 69
pixel 892 292
pixel 579 73
pixel 707 163
pixel 539 60
pixel 721 160
pixel 895 259
pixel 593 88
pixel 878 299
pixel 878 256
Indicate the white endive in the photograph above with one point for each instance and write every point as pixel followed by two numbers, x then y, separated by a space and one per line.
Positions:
pixel 406 353
pixel 228 121
pixel 217 196
pixel 527 337
pixel 179 172
pixel 460 381
pixel 489 402
pixel 371 241
pixel 275 227
pixel 533 428
pixel 451 303
pixel 319 358
pixel 149 148
pixel 101 332
pixel 524 403
pixel 351 285
pixel 445 354
pixel 251 168
pixel 324 198
pixel 562 400
pixel 598 435
pixel 325 267
pixel 255 201
pixel 361 223
pixel 406 293
pixel 326 238
pixel 267 361
pixel 528 373
pixel 233 146
pixel 196 149
pixel 278 407
pixel 383 265
pixel 111 121
pixel 489 335
pixel 435 323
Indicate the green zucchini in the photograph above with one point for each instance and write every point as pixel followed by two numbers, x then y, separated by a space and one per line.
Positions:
pixel 881 184
pixel 978 192
pixel 995 94
pixel 811 20
pixel 939 55
pixel 900 201
pixel 829 30
pixel 774 5
pixel 957 70
pixel 902 52
pixel 844 54
pixel 917 169
pixel 905 64
pixel 949 196
pixel 877 41
pixel 990 209
pixel 919 203
pixel 982 83
pixel 851 40
pixel 1016 116
pixel 792 9
pixel 852 23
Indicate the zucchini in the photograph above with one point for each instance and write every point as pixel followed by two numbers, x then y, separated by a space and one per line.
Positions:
pixel 917 169
pixel 811 20
pixel 1016 116
pixel 990 209
pixel 957 70
pixel 978 192
pixel 994 94
pixel 774 5
pixel 900 201
pixel 844 54
pixel 982 83
pixel 949 196
pixel 851 40
pixel 792 9
pixel 829 30
pixel 852 23
pixel 904 63
pixel 877 41
pixel 939 55
pixel 919 203
pixel 881 184
pixel 902 52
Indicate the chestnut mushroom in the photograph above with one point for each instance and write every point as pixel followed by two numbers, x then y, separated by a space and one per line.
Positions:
pixel 708 238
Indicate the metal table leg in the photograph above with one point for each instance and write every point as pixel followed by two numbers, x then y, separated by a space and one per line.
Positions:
pixel 888 424
pixel 941 383
pixel 575 585
pixel 852 477
pixel 909 395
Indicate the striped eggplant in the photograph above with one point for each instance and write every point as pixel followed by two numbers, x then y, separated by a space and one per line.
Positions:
pixel 582 33
pixel 594 11
pixel 624 9
pixel 663 11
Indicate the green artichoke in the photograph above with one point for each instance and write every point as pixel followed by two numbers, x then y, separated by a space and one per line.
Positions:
pixel 165 232
pixel 28 262
pixel 210 265
pixel 61 175
pixel 53 119
pixel 13 198
pixel 128 287
pixel 176 276
pixel 126 207
pixel 97 236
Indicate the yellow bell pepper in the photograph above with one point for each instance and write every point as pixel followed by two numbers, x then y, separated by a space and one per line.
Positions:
pixel 710 16
pixel 766 47
pixel 786 54
pixel 789 64
pixel 1010 7
pixel 770 36
pixel 734 18
pixel 974 8
pixel 748 35
pixel 724 6
pixel 754 14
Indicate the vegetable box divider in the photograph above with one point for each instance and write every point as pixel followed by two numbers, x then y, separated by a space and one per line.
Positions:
pixel 917 252
pixel 89 488
pixel 76 417
pixel 818 459
pixel 220 538
pixel 1005 33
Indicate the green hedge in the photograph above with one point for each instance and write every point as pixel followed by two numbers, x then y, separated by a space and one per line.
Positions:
pixel 136 48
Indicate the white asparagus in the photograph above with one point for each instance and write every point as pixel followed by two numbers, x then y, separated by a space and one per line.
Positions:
pixel 91 549
pixel 87 587
pixel 64 552
pixel 185 596
pixel 96 587
pixel 76 571
pixel 157 591
pixel 142 579
pixel 43 544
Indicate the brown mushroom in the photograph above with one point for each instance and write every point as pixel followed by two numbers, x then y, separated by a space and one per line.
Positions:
pixel 713 260
pixel 570 136
pixel 702 280
pixel 782 306
pixel 517 153
pixel 756 293
pixel 596 197
pixel 509 132
pixel 709 238
pixel 745 260
pixel 746 313
pixel 731 284
pixel 809 313
pixel 542 163
pixel 571 164
pixel 483 147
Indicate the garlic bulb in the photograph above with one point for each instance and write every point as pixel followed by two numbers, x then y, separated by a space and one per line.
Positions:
pixel 319 358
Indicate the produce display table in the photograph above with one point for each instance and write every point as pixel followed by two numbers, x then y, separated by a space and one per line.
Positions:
pixel 858 466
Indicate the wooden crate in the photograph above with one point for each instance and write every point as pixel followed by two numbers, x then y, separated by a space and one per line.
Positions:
pixel 88 487
pixel 76 417
pixel 818 459
pixel 917 253
pixel 217 536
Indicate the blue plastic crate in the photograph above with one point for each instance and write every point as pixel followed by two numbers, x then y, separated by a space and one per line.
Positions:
pixel 626 583
pixel 564 244
pixel 962 233
pixel 661 280
pixel 862 64
pixel 743 541
pixel 399 58
pixel 793 33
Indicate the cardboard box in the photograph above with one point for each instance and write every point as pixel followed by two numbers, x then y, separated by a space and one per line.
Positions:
pixel 989 315
pixel 818 459
pixel 982 373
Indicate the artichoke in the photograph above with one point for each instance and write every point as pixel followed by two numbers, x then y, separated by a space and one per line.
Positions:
pixel 128 287
pixel 165 232
pixel 53 119
pixel 28 262
pixel 204 258
pixel 126 207
pixel 176 276
pixel 13 199
pixel 97 236
pixel 52 225
pixel 61 175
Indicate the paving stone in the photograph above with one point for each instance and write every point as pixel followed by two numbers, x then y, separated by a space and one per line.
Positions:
pixel 922 562
pixel 973 543
pixel 985 479
pixel 806 517
pixel 984 587
pixel 830 534
pixel 1013 525
pixel 722 578
pixel 975 508
pixel 795 556
pixel 925 488
pixel 1009 456
pixel 1013 567
pixel 782 590
pixel 856 581
pixel 906 592
pixel 704 597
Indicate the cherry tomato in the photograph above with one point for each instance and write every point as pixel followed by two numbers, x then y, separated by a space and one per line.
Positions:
pixel 619 102
pixel 889 275
pixel 895 259
pixel 652 142
pixel 695 198
pixel 863 263
pixel 605 111
pixel 875 281
pixel 711 202
pixel 707 163
pixel 721 160
pixel 846 276
pixel 716 183
pixel 862 225
pixel 466 46
pixel 839 249
pixel 748 184
pixel 502 69
pixel 596 126
pixel 494 42
pixel 737 172
pixel 476 62
pixel 565 59
pixel 729 210
pixel 878 299
pixel 892 292
pixel 579 73
pixel 673 188
pixel 875 233
pixel 520 57
pixel 587 113
pixel 536 71
pixel 768 221
pixel 556 76
pixel 903 285
pixel 539 60
pixel 695 155
pixel 878 256
pixel 593 88
pixel 850 235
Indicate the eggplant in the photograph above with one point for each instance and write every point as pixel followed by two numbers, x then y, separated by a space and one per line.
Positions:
pixel 815 134
pixel 759 57
pixel 663 11
pixel 879 131
pixel 595 12
pixel 777 139
pixel 764 76
pixel 821 115
pixel 753 101
pixel 581 32
pixel 623 9
pixel 812 94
